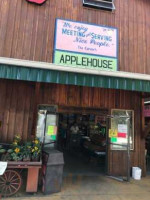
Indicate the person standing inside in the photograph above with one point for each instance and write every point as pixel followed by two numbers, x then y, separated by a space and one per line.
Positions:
pixel 74 138
pixel 74 129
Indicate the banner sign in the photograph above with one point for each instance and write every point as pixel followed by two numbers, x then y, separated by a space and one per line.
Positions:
pixel 85 45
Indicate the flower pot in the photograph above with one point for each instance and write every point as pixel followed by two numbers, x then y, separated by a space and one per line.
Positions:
pixel 35 159
pixel 26 159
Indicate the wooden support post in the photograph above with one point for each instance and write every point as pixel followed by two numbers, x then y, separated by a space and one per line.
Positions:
pixel 142 141
pixel 143 118
pixel 146 130
pixel 36 102
pixel 32 179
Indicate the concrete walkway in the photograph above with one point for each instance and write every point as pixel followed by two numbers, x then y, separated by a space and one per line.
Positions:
pixel 97 188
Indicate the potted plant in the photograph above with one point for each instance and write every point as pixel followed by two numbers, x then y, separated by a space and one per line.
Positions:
pixel 35 154
pixel 36 150
pixel 2 152
pixel 17 140
pixel 17 154
pixel 26 151
pixel 14 153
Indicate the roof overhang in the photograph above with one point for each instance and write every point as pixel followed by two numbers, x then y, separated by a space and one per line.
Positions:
pixel 48 72
pixel 51 66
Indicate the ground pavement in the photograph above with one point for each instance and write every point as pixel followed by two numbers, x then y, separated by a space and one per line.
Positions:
pixel 96 188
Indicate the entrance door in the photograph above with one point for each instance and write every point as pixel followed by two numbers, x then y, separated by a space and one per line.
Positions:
pixel 47 124
pixel 119 143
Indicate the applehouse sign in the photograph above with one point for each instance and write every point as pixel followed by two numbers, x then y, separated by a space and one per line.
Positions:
pixel 85 45
pixel 39 2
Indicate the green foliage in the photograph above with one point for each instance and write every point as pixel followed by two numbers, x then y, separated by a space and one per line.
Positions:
pixel 26 150
pixel 21 150
pixel 16 157
pixel 10 150
pixel 36 149
pixel 2 151
pixel 6 157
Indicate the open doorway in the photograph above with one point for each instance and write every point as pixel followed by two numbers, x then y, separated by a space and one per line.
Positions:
pixel 90 146
pixel 82 138
pixel 147 139
pixel 146 113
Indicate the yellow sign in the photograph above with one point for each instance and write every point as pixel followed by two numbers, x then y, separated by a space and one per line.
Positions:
pixel 113 133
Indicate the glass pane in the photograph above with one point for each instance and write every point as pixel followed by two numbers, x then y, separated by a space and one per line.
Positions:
pixel 122 123
pixel 40 125
pixel 46 129
pixel 51 123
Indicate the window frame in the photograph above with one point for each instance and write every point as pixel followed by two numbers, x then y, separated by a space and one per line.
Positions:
pixel 100 6
pixel 132 131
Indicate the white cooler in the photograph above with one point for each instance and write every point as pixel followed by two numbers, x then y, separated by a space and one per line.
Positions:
pixel 136 173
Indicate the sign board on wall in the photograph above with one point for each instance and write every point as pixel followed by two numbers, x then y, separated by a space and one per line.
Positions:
pixel 85 45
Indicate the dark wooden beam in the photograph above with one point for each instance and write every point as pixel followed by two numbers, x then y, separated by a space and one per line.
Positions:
pixel 145 95
pixel 146 130
pixel 36 102
pixel 142 118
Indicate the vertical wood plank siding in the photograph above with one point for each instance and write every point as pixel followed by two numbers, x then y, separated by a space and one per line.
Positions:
pixel 17 105
pixel 16 109
pixel 27 30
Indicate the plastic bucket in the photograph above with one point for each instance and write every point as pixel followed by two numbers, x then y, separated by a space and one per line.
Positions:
pixel 136 173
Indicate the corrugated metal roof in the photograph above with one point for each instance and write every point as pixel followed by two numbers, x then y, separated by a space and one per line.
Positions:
pixel 62 77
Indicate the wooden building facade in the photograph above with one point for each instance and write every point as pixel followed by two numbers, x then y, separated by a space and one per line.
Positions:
pixel 27 33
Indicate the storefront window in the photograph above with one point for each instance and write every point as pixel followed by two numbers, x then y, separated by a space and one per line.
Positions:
pixel 122 123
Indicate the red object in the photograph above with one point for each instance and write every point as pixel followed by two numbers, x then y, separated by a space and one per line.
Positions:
pixel 36 1
pixel 122 135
